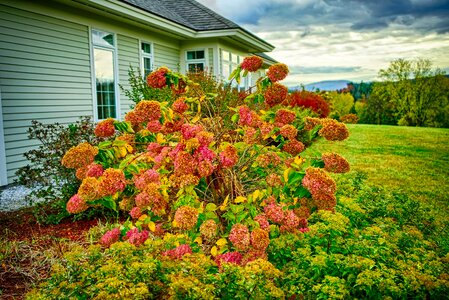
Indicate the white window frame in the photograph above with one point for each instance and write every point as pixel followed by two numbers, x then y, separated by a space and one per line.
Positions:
pixel 144 55
pixel 245 83
pixel 196 61
pixel 115 70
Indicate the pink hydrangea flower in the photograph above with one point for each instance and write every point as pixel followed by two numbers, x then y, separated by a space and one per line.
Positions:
pixel 154 126
pixel 189 131
pixel 260 239
pixel 274 212
pixel 251 63
pixel 178 252
pixel 143 179
pixel 135 212
pixel 135 237
pixel 110 237
pixel 229 157
pixel 94 170
pixel 263 222
pixel 76 205
pixel 180 106
pixel 239 236
pixel 230 258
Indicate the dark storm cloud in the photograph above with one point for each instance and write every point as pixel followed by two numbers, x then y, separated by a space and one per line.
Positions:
pixel 358 15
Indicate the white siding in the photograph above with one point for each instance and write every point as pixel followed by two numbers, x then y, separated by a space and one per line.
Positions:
pixel 166 56
pixel 44 75
pixel 128 55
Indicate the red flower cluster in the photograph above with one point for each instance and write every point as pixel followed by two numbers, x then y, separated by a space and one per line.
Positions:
pixel 263 222
pixel 277 72
pixel 294 147
pixel 157 79
pixel 154 126
pixel 186 217
pixel 144 178
pixel 335 163
pixel 178 252
pixel 311 123
pixel 135 212
pixel 180 106
pixel 76 204
pixel 284 117
pixel 135 237
pixel 229 258
pixel 79 156
pixel 248 117
pixel 229 157
pixel 105 128
pixel 266 128
pixel 239 237
pixel 110 237
pixel 94 170
pixel 310 100
pixel 275 94
pixel 251 63
pixel 333 130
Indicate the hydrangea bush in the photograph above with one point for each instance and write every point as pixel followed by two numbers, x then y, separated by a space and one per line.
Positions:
pixel 229 186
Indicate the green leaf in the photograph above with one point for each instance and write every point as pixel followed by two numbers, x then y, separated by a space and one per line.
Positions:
pixel 235 118
pixel 211 207
pixel 104 145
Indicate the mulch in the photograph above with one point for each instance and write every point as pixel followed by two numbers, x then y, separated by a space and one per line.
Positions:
pixel 21 226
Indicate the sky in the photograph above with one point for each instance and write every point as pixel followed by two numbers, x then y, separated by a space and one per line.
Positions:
pixel 344 39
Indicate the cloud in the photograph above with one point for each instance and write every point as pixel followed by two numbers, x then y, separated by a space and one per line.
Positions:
pixel 323 69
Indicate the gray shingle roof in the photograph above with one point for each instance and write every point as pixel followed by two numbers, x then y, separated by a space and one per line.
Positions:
pixel 188 13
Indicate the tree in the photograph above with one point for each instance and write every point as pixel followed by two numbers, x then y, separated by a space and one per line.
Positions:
pixel 418 94
pixel 341 104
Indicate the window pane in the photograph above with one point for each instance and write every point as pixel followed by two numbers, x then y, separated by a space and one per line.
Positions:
pixel 234 58
pixel 101 38
pixel 199 54
pixel 194 68
pixel 225 55
pixel 147 66
pixel 146 48
pixel 225 71
pixel 191 55
pixel 104 77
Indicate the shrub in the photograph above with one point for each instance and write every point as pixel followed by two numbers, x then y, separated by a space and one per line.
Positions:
pixel 349 119
pixel 45 174
pixel 310 100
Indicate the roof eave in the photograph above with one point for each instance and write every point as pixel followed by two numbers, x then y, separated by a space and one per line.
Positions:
pixel 253 43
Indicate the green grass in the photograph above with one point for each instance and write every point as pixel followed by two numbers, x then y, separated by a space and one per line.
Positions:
pixel 411 160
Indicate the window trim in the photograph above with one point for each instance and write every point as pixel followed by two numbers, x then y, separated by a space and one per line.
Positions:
pixel 114 50
pixel 196 61
pixel 143 55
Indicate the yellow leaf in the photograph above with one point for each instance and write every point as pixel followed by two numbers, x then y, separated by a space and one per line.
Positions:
pixel 214 251
pixel 199 240
pixel 221 242
pixel 143 217
pixel 177 243
pixel 174 224
pixel 286 173
pixel 122 151
pixel 152 226
pixel 160 138
pixel 225 204
pixel 299 160
pixel 256 195
pixel 129 148
pixel 240 199
pixel 196 119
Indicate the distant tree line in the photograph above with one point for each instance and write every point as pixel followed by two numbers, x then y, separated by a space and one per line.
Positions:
pixel 410 93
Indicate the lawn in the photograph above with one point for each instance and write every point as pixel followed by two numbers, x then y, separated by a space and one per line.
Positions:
pixel 411 160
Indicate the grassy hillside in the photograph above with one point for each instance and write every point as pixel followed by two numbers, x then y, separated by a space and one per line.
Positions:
pixel 411 160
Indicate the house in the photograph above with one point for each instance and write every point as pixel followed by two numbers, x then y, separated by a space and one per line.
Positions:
pixel 61 59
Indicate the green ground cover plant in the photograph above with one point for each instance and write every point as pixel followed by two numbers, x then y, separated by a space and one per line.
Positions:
pixel 236 202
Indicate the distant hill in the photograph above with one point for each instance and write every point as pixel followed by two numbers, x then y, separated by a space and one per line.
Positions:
pixel 326 85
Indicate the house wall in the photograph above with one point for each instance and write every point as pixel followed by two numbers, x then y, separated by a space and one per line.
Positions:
pixel 46 72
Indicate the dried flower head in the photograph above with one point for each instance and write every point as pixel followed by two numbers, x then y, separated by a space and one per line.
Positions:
pixel 275 94
pixel 311 123
pixel 157 79
pixel 135 212
pixel 94 170
pixel 260 239
pixel 88 189
pixel 335 163
pixel 273 180
pixel 148 110
pixel 180 106
pixel 318 182
pixel 178 252
pixel 263 222
pixel 112 181
pixel 284 117
pixel 205 168
pixel 274 212
pixel 229 157
pixel 186 217
pixel 154 126
pixel 229 258
pixel 294 147
pixel 277 72
pixel 79 156
pixel 76 204
pixel 251 63
pixel 105 128
pixel 289 132
pixel 144 178
pixel 135 237
pixel 110 237
pixel 239 237
pixel 333 130
pixel 209 229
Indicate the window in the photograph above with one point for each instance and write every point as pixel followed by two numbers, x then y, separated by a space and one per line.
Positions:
pixel 147 58
pixel 196 61
pixel 229 62
pixel 104 70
